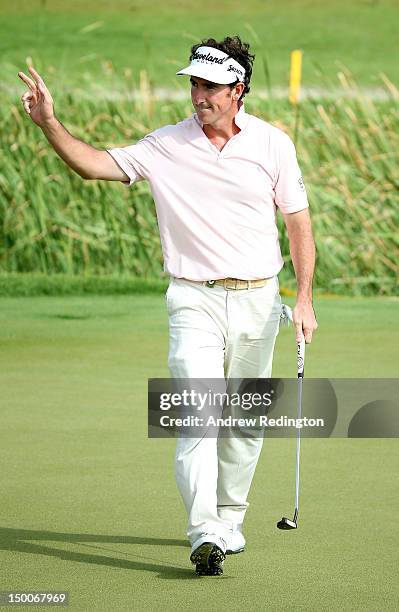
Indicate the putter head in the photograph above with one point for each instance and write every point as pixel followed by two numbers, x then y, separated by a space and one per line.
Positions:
pixel 286 523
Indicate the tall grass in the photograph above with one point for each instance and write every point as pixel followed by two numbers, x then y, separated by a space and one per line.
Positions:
pixel 54 222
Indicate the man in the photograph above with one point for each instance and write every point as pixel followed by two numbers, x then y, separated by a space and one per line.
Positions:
pixel 217 179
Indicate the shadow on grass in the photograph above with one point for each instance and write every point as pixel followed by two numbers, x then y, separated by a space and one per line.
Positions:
pixel 67 317
pixel 82 317
pixel 26 541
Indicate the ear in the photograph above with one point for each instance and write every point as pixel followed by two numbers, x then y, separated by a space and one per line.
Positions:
pixel 237 91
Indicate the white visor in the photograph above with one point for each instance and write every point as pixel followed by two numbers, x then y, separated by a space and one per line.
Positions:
pixel 213 65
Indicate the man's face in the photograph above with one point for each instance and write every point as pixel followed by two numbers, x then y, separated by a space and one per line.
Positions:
pixel 212 101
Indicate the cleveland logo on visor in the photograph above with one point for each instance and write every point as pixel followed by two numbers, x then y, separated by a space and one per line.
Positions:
pixel 209 58
pixel 214 66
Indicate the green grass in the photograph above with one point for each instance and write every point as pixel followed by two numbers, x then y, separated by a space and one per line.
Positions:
pixel 74 43
pixel 28 285
pixel 89 504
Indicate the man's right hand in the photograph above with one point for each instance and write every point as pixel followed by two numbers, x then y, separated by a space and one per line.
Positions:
pixel 37 102
pixel 85 160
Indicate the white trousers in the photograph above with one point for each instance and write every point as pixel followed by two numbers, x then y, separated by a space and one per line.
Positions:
pixel 220 334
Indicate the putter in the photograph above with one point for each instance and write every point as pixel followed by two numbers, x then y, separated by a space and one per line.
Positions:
pixel 285 522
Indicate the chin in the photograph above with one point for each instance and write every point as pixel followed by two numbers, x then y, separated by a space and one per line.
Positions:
pixel 206 117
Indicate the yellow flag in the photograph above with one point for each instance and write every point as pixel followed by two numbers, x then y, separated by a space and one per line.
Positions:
pixel 295 76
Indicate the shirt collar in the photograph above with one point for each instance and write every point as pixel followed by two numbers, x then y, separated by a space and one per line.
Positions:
pixel 240 118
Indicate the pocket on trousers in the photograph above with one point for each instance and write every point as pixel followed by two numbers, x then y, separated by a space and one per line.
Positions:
pixel 168 294
pixel 175 296
pixel 270 293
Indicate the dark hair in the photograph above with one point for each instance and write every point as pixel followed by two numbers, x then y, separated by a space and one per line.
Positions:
pixel 236 49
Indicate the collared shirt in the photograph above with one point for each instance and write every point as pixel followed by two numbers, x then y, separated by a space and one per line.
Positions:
pixel 217 209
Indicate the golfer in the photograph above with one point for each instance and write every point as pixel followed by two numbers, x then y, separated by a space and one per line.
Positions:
pixel 217 179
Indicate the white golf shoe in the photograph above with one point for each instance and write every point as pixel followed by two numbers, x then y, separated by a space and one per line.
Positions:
pixel 235 541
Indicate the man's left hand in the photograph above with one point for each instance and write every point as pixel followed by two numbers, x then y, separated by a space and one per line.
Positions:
pixel 304 320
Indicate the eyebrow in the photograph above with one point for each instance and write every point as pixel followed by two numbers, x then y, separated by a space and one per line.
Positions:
pixel 208 84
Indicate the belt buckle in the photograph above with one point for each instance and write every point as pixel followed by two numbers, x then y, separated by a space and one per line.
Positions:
pixel 210 283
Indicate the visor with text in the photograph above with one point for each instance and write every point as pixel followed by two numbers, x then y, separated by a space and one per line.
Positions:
pixel 213 65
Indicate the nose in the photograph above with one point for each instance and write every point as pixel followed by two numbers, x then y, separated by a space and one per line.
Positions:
pixel 197 95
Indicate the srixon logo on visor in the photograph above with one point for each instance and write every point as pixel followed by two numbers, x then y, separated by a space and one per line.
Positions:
pixel 209 58
pixel 234 69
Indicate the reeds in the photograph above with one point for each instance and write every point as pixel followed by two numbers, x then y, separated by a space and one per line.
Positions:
pixel 54 222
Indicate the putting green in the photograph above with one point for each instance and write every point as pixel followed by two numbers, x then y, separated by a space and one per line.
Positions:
pixel 89 503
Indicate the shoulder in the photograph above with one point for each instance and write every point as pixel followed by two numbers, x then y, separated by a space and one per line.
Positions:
pixel 274 135
pixel 275 144
pixel 174 130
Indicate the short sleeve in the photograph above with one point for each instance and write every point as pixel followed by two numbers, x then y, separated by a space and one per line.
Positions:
pixel 290 191
pixel 136 160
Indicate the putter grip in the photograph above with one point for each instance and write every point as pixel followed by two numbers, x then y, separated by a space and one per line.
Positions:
pixel 301 357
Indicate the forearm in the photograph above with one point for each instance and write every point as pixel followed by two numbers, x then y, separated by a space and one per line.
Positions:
pixel 79 156
pixel 303 255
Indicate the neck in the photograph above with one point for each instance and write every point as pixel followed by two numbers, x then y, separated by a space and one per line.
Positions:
pixel 225 128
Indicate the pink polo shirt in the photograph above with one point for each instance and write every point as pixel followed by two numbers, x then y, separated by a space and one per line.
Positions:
pixel 217 209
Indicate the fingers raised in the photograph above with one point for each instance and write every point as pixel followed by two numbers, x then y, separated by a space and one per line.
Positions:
pixel 37 77
pixel 31 84
pixel 41 86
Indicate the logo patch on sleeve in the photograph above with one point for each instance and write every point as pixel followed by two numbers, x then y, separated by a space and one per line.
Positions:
pixel 301 184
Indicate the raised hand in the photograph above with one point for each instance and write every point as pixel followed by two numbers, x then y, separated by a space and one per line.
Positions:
pixel 37 102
